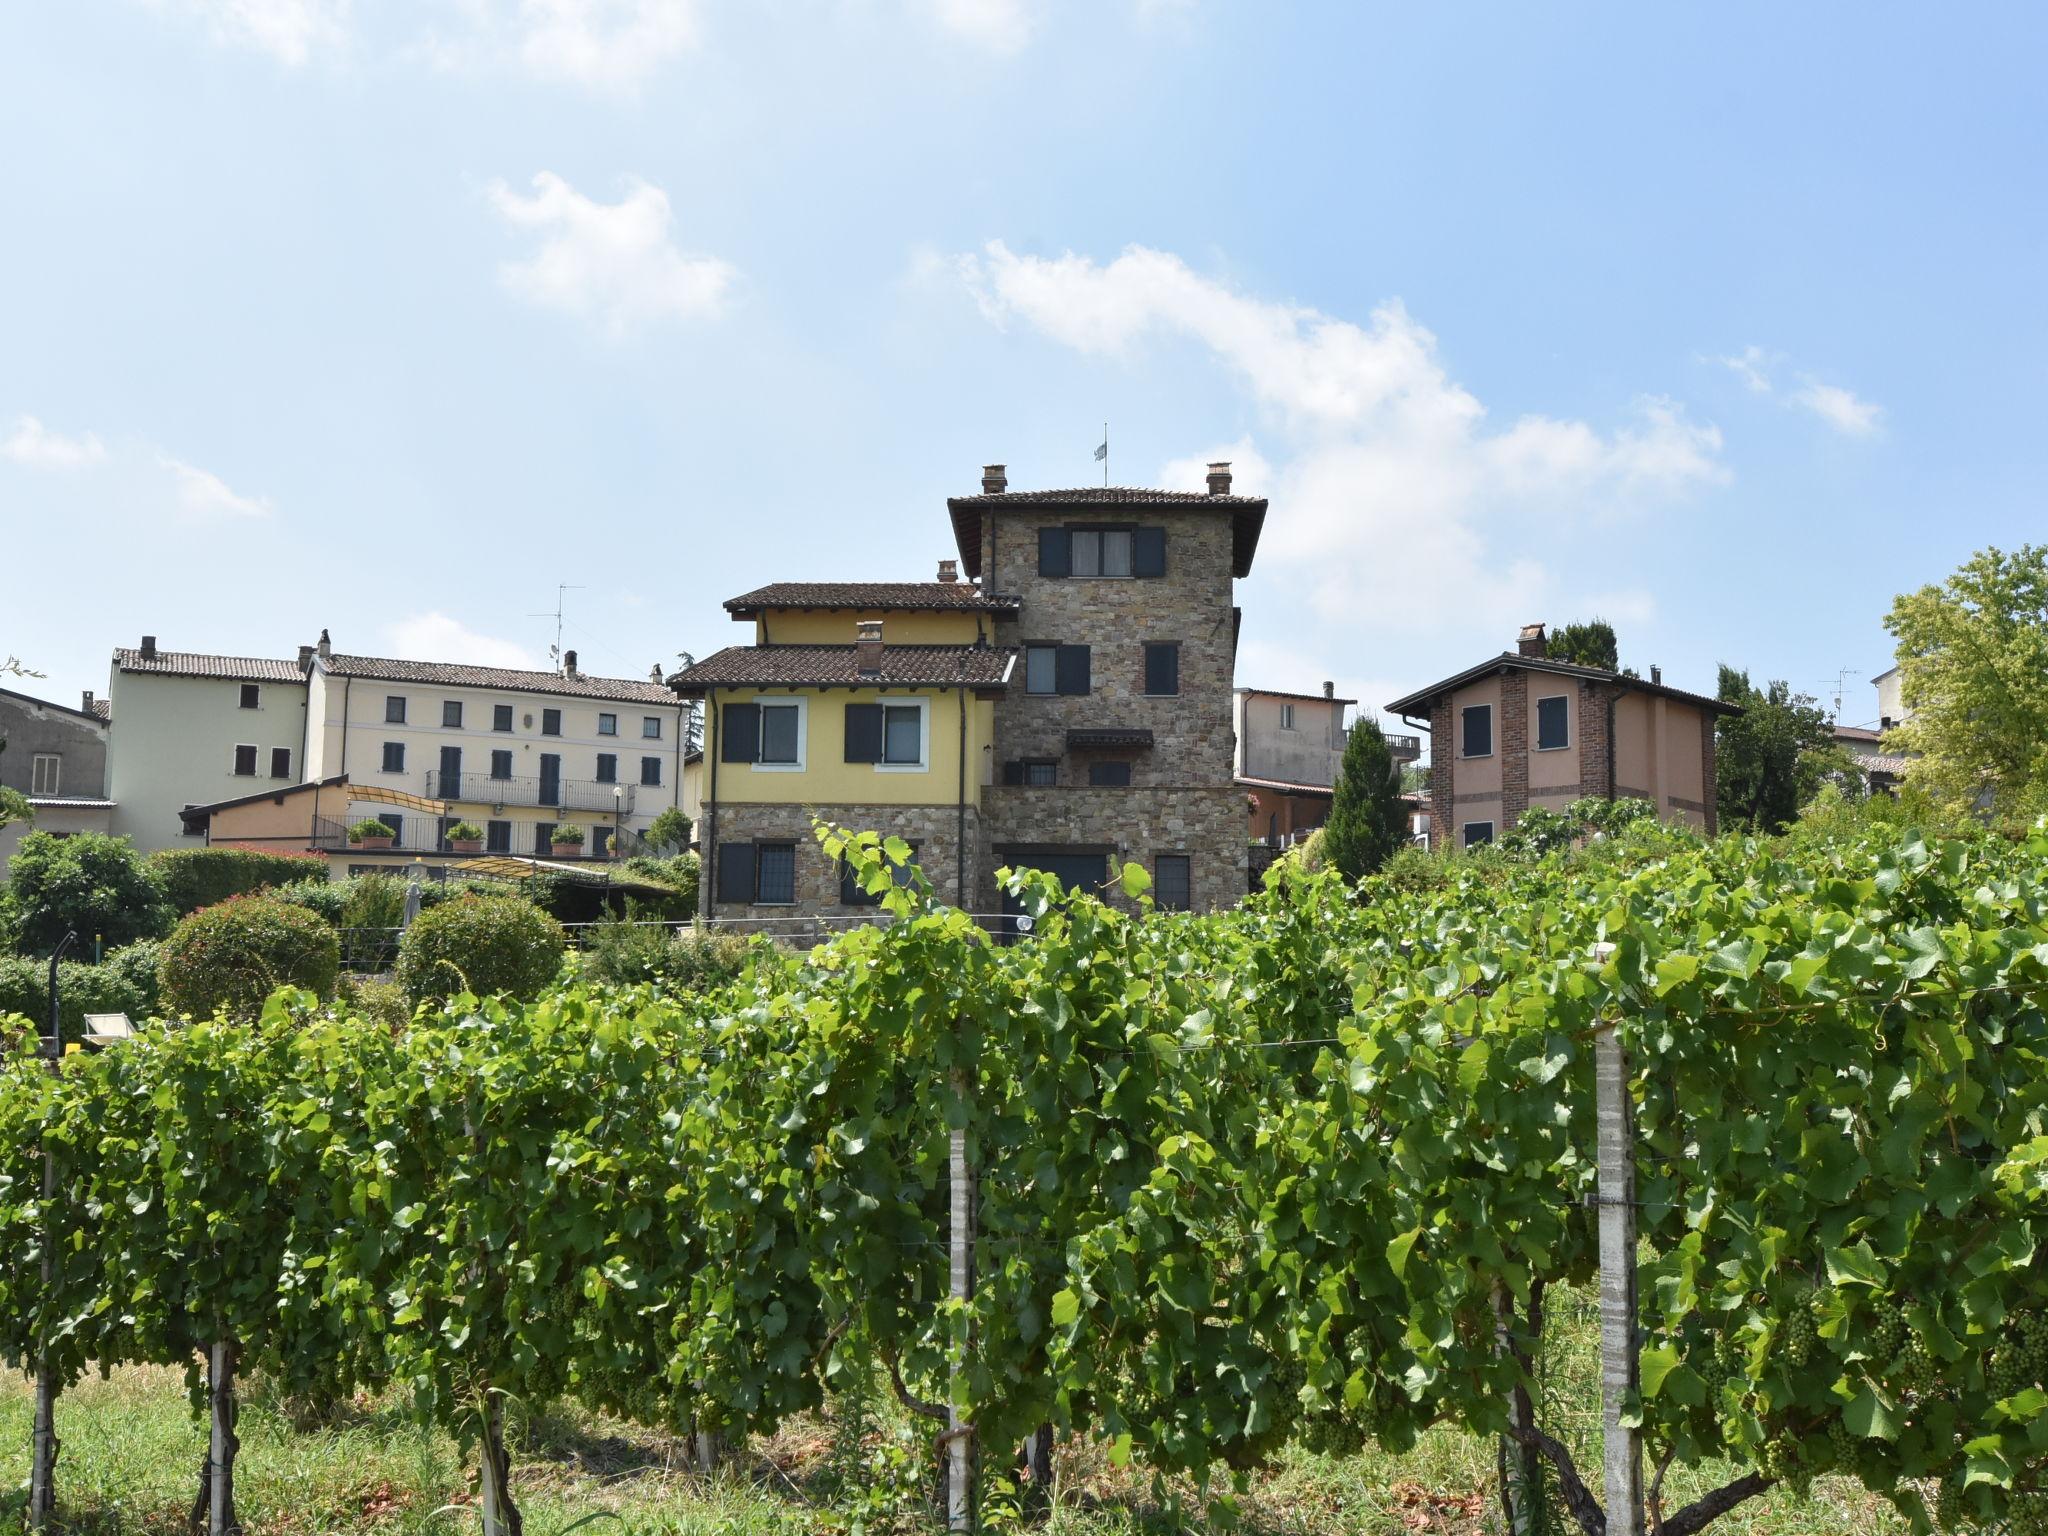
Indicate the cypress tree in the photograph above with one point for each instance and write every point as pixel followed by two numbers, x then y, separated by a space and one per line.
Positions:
pixel 1368 820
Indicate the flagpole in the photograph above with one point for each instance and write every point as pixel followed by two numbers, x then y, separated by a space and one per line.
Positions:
pixel 1105 453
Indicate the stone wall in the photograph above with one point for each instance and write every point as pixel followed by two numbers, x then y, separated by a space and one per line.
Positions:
pixel 934 829
pixel 1134 825
pixel 1193 734
pixel 31 727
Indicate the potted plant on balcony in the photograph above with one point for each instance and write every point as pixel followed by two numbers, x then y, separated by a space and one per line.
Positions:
pixel 371 834
pixel 466 837
pixel 567 839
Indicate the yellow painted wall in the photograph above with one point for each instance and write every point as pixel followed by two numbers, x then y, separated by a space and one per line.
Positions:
pixel 826 778
pixel 1658 750
pixel 836 627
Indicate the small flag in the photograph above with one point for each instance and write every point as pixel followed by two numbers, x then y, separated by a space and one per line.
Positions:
pixel 1102 452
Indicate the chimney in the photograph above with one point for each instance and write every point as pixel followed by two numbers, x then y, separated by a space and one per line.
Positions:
pixel 1329 690
pixel 325 648
pixel 1533 641
pixel 1656 673
pixel 568 663
pixel 993 481
pixel 86 703
pixel 949 570
pixel 305 657
pixel 654 674
pixel 149 647
pixel 867 647
pixel 1219 478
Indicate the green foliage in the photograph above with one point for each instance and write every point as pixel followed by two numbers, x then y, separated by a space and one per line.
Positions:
pixel 224 961
pixel 670 831
pixel 198 877
pixel 1540 831
pixel 1246 1179
pixel 465 832
pixel 484 945
pixel 1368 819
pixel 363 829
pixel 1588 643
pixel 1973 678
pixel 14 807
pixel 323 897
pixel 134 966
pixel 81 989
pixel 630 953
pixel 90 884
pixel 680 873
pixel 1774 756
pixel 567 834
pixel 377 998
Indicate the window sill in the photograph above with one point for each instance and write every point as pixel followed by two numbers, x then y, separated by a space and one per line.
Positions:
pixel 1562 747
pixel 777 767
pixel 1474 757
pixel 903 768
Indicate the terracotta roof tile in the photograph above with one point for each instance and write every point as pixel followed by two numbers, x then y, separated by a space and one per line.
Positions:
pixel 1417 702
pixel 245 669
pixel 795 666
pixel 456 675
pixel 908 595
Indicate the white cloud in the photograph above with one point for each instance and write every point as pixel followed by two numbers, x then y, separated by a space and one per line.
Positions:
pixel 609 262
pixel 35 445
pixel 608 45
pixel 1752 366
pixel 1000 26
pixel 1396 490
pixel 435 636
pixel 205 495
pixel 290 31
pixel 1839 408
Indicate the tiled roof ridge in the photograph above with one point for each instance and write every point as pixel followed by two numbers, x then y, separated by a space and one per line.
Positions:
pixel 535 673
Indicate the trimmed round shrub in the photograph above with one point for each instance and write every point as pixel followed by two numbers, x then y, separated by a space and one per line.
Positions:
pixel 227 959
pixel 487 945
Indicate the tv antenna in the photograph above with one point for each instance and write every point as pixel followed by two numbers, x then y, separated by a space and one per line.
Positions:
pixel 555 650
pixel 1842 676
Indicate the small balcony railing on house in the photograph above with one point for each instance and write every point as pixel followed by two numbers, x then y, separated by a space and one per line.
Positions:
pixel 1404 749
pixel 562 794
pixel 427 834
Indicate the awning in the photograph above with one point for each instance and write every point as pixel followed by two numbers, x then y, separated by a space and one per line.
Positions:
pixel 511 866
pixel 1096 736
pixel 377 794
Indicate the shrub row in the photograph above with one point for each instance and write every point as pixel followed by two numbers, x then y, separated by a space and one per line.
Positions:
pixel 192 878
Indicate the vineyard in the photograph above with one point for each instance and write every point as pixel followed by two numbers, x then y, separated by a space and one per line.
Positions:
pixel 1306 1171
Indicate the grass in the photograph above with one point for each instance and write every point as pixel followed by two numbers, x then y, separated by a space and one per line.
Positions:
pixel 132 1449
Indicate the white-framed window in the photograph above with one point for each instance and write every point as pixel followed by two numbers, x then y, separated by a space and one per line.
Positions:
pixel 45 773
pixel 785 732
pixel 1286 717
pixel 245 761
pixel 1475 734
pixel 1477 832
pixel 650 727
pixel 1553 723
pixel 906 737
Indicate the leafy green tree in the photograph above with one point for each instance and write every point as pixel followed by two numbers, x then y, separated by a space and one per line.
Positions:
pixel 1773 757
pixel 90 884
pixel 1588 643
pixel 1973 676
pixel 670 832
pixel 14 807
pixel 1368 819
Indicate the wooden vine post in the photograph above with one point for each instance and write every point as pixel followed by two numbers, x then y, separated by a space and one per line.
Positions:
pixel 959 1431
pixel 1620 1365
pixel 42 1479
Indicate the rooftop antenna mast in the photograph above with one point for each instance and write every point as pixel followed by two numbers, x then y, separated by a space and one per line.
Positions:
pixel 555 650
pixel 1842 676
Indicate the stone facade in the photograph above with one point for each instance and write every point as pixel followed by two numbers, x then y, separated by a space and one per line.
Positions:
pixel 33 728
pixel 934 830
pixel 1181 797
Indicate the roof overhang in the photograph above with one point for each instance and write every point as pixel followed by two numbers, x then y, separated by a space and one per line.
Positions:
pixel 1419 702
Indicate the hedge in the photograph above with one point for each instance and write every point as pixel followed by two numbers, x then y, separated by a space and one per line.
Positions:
pixel 482 944
pixel 81 989
pixel 199 877
pixel 228 958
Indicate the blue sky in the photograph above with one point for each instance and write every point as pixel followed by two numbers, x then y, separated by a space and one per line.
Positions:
pixel 1725 322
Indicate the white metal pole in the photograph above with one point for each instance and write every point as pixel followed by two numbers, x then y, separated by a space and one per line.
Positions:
pixel 1620 1377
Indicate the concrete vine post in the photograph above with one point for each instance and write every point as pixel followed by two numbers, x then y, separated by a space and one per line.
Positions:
pixel 959 1431
pixel 1620 1359
pixel 217 1484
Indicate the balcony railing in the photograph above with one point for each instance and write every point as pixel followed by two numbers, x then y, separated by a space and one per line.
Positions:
pixel 424 834
pixel 562 794
pixel 1404 749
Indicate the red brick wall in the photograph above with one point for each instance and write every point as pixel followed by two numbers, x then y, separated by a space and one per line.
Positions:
pixel 1514 747
pixel 1442 757
pixel 1594 768
pixel 1709 790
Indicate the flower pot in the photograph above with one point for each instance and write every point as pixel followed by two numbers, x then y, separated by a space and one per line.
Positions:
pixel 373 842
pixel 466 844
pixel 567 850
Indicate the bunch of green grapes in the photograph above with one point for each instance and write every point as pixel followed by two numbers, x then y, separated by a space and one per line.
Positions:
pixel 1919 1368
pixel 2022 1359
pixel 1782 1463
pixel 1797 1336
pixel 1885 1330
pixel 2027 1514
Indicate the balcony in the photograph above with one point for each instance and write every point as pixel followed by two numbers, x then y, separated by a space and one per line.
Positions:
pixel 1404 749
pixel 419 834
pixel 560 794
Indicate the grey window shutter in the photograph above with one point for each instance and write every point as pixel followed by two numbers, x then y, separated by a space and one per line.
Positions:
pixel 1013 771
pixel 863 733
pixel 1055 552
pixel 739 736
pixel 1148 552
pixel 736 865
pixel 1070 668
